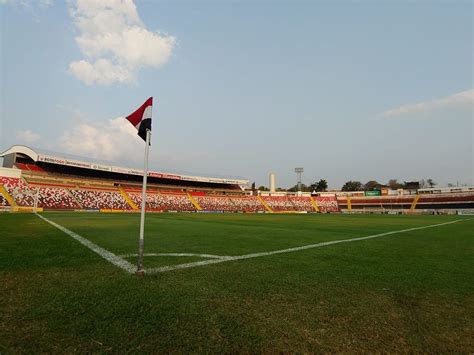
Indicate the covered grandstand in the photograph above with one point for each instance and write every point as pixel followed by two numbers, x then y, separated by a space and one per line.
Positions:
pixel 34 178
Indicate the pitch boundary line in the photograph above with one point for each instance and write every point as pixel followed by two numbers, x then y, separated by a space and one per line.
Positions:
pixel 289 250
pixel 215 259
pixel 209 256
pixel 104 253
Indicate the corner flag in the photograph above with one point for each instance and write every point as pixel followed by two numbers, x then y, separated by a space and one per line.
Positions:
pixel 141 118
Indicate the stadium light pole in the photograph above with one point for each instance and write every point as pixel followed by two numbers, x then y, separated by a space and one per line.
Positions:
pixel 141 242
pixel 298 172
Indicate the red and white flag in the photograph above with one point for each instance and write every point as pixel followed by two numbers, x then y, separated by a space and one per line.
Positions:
pixel 141 118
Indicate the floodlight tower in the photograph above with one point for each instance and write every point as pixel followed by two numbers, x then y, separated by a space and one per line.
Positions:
pixel 298 172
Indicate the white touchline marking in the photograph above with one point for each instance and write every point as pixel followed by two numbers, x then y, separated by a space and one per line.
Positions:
pixel 289 250
pixel 107 255
pixel 209 256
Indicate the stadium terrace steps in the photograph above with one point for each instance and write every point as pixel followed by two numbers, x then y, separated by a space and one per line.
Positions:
pixel 267 207
pixel 327 204
pixel 74 198
pixel 415 201
pixel 194 202
pixel 128 199
pixel 349 204
pixel 7 196
pixel 315 205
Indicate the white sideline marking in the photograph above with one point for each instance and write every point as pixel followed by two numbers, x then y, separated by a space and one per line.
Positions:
pixel 209 256
pixel 107 255
pixel 289 250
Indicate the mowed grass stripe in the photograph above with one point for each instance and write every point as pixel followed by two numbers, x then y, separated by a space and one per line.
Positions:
pixel 289 250
pixel 122 263
pixel 245 234
pixel 104 253
pixel 404 294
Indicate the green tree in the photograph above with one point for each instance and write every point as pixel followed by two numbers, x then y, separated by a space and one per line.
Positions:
pixel 304 188
pixel 431 183
pixel 371 185
pixel 394 184
pixel 293 188
pixel 263 188
pixel 413 185
pixel 321 185
pixel 352 186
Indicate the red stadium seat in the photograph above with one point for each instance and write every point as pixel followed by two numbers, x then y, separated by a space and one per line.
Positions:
pixel 100 199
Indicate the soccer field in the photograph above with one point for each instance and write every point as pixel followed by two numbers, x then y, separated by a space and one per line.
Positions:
pixel 237 283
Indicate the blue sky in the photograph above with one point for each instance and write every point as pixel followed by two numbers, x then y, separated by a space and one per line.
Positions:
pixel 348 90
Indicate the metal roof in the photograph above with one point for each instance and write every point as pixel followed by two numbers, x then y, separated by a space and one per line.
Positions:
pixel 47 156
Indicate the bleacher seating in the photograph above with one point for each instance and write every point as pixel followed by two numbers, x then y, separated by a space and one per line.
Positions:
pixel 446 198
pixel 377 202
pixel 21 166
pixel 19 190
pixel 29 167
pixel 302 203
pixel 101 199
pixel 327 204
pixel 279 203
pixel 34 167
pixel 48 197
pixel 247 203
pixel 75 194
pixel 163 202
pixel 215 203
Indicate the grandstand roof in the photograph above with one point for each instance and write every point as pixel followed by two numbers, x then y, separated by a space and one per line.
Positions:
pixel 45 156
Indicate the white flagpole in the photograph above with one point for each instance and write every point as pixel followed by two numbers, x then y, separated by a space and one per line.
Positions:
pixel 142 216
pixel 35 205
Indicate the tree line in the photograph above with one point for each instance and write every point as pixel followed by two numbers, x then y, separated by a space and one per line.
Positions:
pixel 371 185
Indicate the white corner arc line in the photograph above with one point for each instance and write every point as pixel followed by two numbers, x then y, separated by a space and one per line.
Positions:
pixel 208 256
pixel 289 250
pixel 107 255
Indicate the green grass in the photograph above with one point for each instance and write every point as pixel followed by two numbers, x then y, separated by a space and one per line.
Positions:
pixel 410 292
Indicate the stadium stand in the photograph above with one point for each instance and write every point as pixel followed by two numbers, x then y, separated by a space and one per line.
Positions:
pixel 377 202
pixel 446 201
pixel 68 183
pixel 163 202
pixel 279 203
pixel 247 203
pixel 302 203
pixel 327 204
pixel 48 197
pixel 21 166
pixel 215 203
pixel 19 190
pixel 34 167
pixel 101 199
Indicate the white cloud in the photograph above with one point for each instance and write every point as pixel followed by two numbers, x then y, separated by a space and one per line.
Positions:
pixel 461 99
pixel 101 71
pixel 115 43
pixel 28 4
pixel 115 139
pixel 27 136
